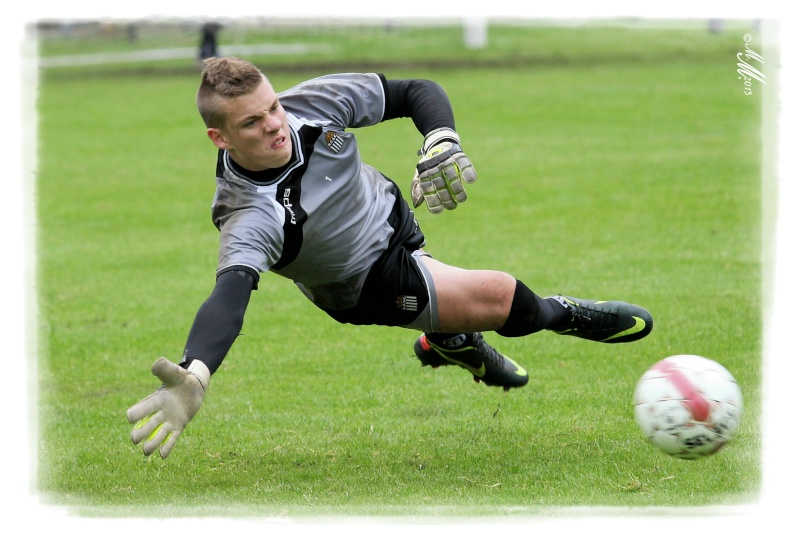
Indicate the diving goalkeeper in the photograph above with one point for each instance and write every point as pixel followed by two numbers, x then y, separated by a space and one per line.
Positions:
pixel 293 197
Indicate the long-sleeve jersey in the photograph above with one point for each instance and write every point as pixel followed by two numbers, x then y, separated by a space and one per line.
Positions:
pixel 323 218
pixel 320 220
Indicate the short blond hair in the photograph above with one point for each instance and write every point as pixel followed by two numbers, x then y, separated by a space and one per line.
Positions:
pixel 225 77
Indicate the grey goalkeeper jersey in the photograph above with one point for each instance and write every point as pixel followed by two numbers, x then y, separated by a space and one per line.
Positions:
pixel 321 220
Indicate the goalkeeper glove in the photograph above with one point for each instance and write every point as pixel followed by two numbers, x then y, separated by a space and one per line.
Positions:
pixel 160 418
pixel 441 173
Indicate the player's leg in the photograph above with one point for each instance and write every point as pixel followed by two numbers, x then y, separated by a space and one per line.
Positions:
pixel 485 300
pixel 468 302
pixel 488 300
pixel 471 301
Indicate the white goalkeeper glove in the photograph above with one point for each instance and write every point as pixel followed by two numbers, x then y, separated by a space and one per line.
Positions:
pixel 160 418
pixel 441 173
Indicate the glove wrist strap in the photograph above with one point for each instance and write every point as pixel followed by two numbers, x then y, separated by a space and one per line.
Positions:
pixel 439 135
pixel 199 370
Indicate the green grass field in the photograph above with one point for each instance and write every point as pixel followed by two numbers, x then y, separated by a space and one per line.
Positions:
pixel 633 176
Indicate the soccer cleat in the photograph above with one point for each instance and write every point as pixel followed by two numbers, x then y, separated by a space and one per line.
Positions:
pixel 472 352
pixel 603 321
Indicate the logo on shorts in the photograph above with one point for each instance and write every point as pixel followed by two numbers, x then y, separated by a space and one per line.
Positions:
pixel 407 303
pixel 334 141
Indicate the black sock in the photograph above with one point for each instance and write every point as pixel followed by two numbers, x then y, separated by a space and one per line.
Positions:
pixel 530 313
pixel 556 313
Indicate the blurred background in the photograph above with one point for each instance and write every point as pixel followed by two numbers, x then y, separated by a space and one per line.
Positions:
pixel 288 43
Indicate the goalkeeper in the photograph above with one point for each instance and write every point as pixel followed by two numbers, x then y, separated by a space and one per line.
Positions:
pixel 293 197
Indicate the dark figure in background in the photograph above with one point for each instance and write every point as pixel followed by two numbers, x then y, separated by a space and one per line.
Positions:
pixel 208 41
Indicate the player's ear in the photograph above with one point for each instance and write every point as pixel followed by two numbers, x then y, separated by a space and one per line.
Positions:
pixel 218 138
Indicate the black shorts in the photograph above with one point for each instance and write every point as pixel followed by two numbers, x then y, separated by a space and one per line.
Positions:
pixel 396 291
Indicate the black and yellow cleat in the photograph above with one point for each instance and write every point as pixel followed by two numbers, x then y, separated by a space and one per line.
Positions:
pixel 472 352
pixel 602 321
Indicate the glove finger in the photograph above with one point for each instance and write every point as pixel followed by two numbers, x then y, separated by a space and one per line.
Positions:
pixel 416 192
pixel 457 191
pixel 145 407
pixel 434 204
pixel 432 183
pixel 447 199
pixel 146 426
pixel 442 191
pixel 439 183
pixel 157 437
pixel 428 189
pixel 454 184
pixel 450 170
pixel 168 372
pixel 426 180
pixel 168 444
pixel 468 173
pixel 452 175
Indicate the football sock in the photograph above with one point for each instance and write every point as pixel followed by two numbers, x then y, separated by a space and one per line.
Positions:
pixel 531 313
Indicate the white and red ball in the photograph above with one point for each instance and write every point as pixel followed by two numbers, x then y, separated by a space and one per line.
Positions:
pixel 688 406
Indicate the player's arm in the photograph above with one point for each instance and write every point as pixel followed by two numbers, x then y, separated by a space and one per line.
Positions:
pixel 160 418
pixel 219 320
pixel 424 101
pixel 441 173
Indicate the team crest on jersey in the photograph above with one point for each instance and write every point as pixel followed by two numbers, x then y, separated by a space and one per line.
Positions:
pixel 334 141
pixel 407 303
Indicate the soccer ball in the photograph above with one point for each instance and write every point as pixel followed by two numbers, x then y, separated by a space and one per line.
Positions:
pixel 688 406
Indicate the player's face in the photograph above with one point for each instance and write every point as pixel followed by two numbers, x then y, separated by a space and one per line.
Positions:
pixel 256 132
